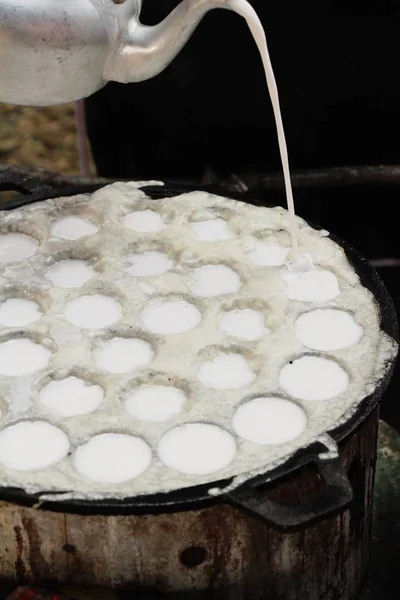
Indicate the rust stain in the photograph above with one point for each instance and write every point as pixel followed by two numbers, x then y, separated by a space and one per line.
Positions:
pixel 37 561
pixel 65 528
pixel 20 570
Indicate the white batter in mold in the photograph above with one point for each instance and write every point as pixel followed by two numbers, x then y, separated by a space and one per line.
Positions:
pixel 22 356
pixel 71 396
pixel 19 312
pixel 112 458
pixel 215 280
pixel 148 264
pixel 15 247
pixel 226 372
pixel 328 329
pixel 31 445
pixel 197 449
pixel 269 420
pixel 155 402
pixel 191 355
pixel 73 228
pixel 316 285
pixel 246 324
pixel 92 312
pixel 211 230
pixel 144 221
pixel 122 355
pixel 70 273
pixel 269 254
pixel 174 316
pixel 313 378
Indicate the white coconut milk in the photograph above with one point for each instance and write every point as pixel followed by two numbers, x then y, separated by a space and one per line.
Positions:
pixel 249 14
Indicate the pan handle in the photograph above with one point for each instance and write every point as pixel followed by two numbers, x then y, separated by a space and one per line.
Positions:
pixel 11 181
pixel 336 495
pixel 26 186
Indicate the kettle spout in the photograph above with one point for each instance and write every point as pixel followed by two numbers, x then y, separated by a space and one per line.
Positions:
pixel 141 52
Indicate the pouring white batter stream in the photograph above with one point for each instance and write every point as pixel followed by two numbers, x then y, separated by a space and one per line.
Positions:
pixel 246 11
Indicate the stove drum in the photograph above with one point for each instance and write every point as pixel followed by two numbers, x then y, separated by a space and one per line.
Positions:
pixel 303 535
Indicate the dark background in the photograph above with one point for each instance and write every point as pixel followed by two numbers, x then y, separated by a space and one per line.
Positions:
pixel 337 66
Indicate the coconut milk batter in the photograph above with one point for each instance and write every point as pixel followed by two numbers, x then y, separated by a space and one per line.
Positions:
pixel 218 334
pixel 249 14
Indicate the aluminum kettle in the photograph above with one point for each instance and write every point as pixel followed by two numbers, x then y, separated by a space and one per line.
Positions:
pixel 57 51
